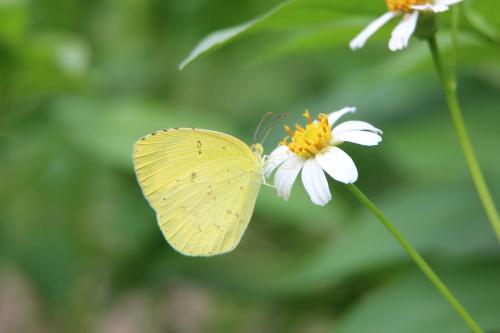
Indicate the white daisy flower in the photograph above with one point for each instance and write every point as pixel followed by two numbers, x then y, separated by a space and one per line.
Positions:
pixel 410 9
pixel 314 149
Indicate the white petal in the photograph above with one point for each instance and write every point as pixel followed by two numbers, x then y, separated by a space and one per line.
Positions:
pixel 286 175
pixel 334 116
pixel 403 31
pixel 360 137
pixel 367 32
pixel 447 2
pixel 354 125
pixel 315 182
pixel 278 156
pixel 338 165
pixel 437 8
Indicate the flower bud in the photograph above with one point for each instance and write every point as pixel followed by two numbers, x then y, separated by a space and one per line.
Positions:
pixel 427 25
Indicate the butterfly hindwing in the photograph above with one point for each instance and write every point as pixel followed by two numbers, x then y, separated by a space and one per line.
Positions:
pixel 202 185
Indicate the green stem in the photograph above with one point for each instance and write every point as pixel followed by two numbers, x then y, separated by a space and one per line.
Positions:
pixel 449 87
pixel 424 267
pixel 454 42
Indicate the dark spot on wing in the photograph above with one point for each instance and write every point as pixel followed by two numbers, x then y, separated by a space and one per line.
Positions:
pixel 229 212
pixel 198 146
pixel 193 176
pixel 241 188
pixel 153 133
pixel 224 148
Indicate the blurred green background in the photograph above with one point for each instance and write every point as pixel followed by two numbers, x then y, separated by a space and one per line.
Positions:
pixel 80 250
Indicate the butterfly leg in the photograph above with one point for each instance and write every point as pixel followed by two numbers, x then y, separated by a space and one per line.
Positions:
pixel 265 183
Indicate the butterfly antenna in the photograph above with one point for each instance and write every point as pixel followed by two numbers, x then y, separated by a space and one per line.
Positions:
pixel 257 131
pixel 280 116
pixel 266 134
pixel 269 127
pixel 271 124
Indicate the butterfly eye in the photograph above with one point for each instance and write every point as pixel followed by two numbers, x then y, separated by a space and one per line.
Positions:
pixel 257 147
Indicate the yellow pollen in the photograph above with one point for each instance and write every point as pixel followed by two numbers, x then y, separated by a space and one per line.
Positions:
pixel 404 5
pixel 307 116
pixel 288 130
pixel 311 140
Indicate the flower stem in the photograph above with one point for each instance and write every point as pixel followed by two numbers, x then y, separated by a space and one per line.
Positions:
pixel 449 87
pixel 421 263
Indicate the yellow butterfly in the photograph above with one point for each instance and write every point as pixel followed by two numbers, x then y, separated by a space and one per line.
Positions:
pixel 202 185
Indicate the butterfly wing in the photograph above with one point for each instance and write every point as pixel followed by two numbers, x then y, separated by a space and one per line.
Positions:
pixel 203 186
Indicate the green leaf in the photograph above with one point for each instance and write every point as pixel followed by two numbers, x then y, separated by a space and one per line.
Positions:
pixel 288 15
pixel 217 38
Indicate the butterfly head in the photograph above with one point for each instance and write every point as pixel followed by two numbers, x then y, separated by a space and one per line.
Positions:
pixel 257 149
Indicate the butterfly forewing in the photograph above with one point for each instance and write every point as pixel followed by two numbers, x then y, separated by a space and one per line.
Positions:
pixel 202 185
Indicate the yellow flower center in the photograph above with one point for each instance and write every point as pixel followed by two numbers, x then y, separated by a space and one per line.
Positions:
pixel 403 5
pixel 309 141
